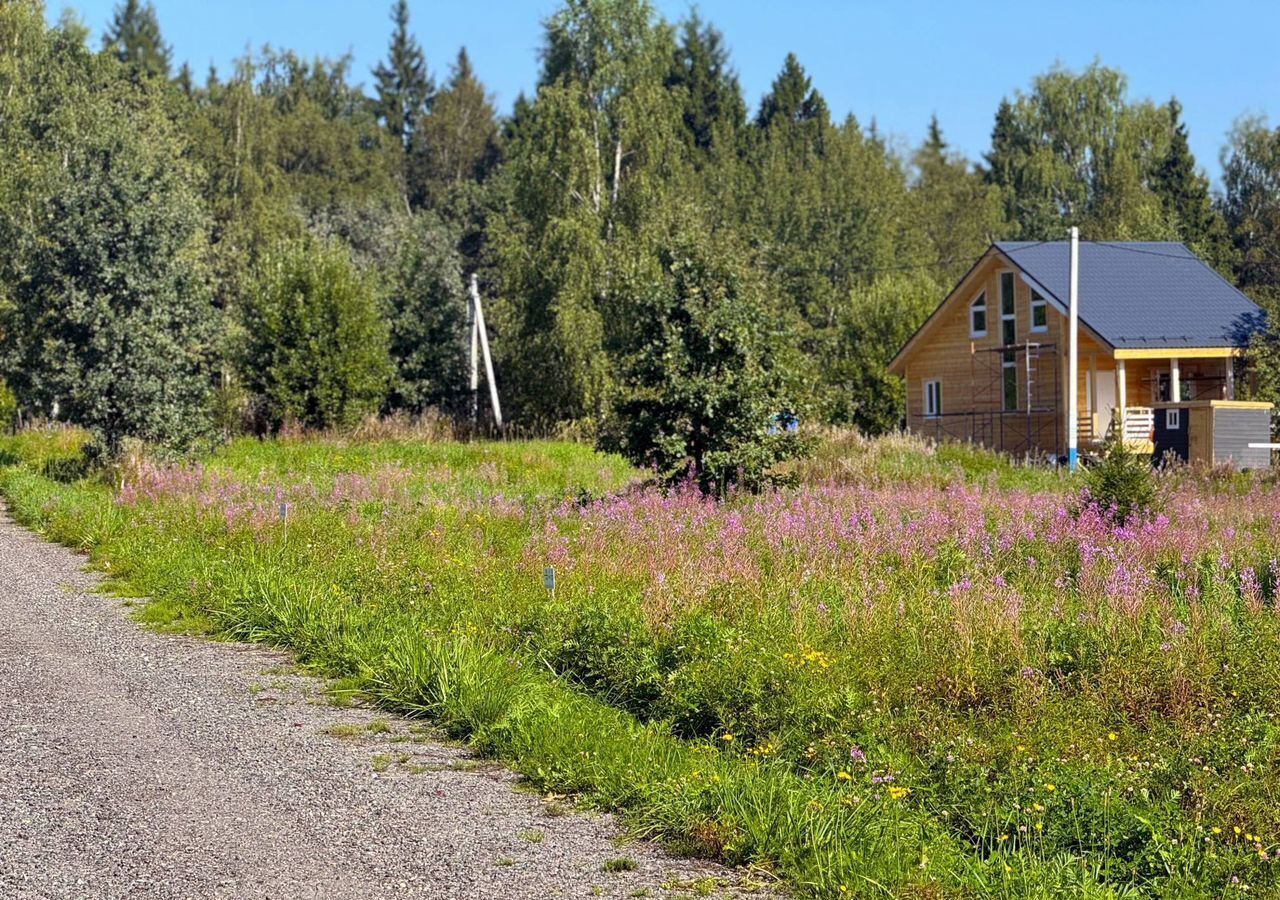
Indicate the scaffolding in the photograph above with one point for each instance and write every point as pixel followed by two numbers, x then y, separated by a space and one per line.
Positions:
pixel 1028 423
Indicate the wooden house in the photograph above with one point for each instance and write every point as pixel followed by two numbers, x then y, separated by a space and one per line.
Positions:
pixel 1157 326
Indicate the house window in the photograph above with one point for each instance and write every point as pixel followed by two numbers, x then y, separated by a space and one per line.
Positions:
pixel 1173 419
pixel 1039 313
pixel 1008 317
pixel 978 316
pixel 932 399
pixel 1010 383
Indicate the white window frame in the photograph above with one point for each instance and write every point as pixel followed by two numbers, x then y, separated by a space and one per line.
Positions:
pixel 1038 302
pixel 1173 419
pixel 986 315
pixel 933 398
pixel 1007 316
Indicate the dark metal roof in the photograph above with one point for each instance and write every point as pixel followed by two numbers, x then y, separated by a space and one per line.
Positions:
pixel 1142 294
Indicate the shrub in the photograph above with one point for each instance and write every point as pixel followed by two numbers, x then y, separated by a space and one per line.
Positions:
pixel 8 407
pixel 315 347
pixel 702 391
pixel 1121 482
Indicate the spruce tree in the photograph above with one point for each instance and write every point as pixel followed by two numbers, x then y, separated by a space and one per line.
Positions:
pixel 1184 191
pixel 792 100
pixel 713 95
pixel 133 37
pixel 405 92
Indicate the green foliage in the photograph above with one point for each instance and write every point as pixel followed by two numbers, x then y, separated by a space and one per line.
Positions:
pixel 133 38
pixel 699 388
pixel 1121 482
pixel 752 706
pixel 1184 190
pixel 958 211
pixel 108 322
pixel 878 319
pixel 1251 202
pixel 592 163
pixel 8 407
pixel 1076 151
pixel 714 110
pixel 404 95
pixel 457 143
pixel 427 310
pixel 315 345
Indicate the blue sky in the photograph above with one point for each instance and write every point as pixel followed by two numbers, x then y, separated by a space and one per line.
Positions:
pixel 898 61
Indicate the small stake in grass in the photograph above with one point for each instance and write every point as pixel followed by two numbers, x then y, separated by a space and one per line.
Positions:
pixel 549 580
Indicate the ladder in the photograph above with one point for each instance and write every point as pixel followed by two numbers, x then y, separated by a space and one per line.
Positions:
pixel 1031 362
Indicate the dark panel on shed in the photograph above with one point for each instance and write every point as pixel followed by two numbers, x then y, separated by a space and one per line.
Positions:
pixel 1234 430
pixel 1171 439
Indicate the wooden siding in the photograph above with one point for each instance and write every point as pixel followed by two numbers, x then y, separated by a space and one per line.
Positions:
pixel 971 371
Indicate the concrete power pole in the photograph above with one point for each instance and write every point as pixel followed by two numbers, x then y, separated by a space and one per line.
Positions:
pixel 478 331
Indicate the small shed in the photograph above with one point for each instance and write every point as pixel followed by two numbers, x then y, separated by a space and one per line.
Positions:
pixel 1218 432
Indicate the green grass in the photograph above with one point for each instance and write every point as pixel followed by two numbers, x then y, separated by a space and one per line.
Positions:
pixel 715 707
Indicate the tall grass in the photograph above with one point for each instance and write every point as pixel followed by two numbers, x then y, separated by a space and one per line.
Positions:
pixel 943 675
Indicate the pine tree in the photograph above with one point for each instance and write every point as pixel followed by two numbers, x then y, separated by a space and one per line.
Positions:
pixel 713 95
pixel 134 38
pixel 405 91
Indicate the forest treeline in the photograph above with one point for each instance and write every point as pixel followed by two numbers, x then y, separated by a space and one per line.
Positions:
pixel 184 256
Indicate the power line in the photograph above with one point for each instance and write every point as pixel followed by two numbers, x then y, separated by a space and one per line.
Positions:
pixel 1182 256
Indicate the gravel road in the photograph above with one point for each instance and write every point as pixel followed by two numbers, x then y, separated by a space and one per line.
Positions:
pixel 141 765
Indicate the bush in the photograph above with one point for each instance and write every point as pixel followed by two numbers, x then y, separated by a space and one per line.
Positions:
pixel 1121 483
pixel 702 391
pixel 8 407
pixel 315 348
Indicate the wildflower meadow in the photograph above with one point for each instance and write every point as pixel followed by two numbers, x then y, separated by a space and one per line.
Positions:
pixel 919 671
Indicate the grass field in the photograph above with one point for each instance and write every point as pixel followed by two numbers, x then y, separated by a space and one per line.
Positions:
pixel 923 672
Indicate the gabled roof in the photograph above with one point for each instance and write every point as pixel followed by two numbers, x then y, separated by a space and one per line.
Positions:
pixel 1142 294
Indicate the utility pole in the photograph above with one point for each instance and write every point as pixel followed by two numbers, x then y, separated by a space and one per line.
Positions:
pixel 478 330
pixel 1073 355
pixel 475 361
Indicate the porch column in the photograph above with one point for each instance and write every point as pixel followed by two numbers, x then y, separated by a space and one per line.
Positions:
pixel 1175 381
pixel 1229 385
pixel 1122 394
pixel 1093 396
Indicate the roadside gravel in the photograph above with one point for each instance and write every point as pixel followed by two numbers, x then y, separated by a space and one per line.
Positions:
pixel 141 765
